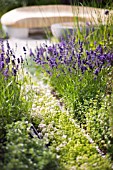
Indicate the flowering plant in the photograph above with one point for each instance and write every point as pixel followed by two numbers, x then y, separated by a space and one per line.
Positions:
pixel 80 76
pixel 13 104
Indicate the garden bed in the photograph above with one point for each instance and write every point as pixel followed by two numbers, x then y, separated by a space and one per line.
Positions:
pixel 57 133
pixel 56 107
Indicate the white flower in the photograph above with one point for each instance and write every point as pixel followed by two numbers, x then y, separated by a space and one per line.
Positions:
pixel 57 156
pixel 64 136
pixel 42 126
pixel 57 149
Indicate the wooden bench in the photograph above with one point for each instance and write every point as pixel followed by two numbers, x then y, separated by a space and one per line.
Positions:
pixel 17 22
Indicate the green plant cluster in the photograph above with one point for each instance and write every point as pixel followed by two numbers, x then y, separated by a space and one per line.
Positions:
pixel 24 152
pixel 87 100
pixel 62 144
pixel 86 94
pixel 13 104
pixel 63 136
pixel 85 90
pixel 98 124
pixel 87 103
pixel 12 108
pixel 16 145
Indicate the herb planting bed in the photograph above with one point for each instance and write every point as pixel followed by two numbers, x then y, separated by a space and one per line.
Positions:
pixel 61 132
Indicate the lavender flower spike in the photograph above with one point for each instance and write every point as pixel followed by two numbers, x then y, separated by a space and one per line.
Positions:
pixel 106 12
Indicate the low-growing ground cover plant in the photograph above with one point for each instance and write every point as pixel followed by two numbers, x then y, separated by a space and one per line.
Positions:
pixel 26 152
pixel 57 128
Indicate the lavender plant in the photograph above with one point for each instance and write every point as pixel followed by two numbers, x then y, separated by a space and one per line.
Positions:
pixel 70 60
pixel 79 75
pixel 10 85
pixel 13 105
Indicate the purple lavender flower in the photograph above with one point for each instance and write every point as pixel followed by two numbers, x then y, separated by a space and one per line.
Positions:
pixel 87 52
pixel 47 71
pixel 2 47
pixel 73 57
pixel 69 69
pixel 14 71
pixel 8 64
pixel 8 46
pixel 106 12
pixel 50 50
pixel 83 69
pixel 21 59
pixel 91 66
pixel 14 56
pixel 60 57
pixel 31 53
pixel 102 57
pixel 96 72
pixel 5 72
pixel 2 56
pixel 24 49
pixel 7 60
pixel 17 67
pixel 18 59
pixel 70 58
pixel 1 65
pixel 99 49
pixel 13 62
